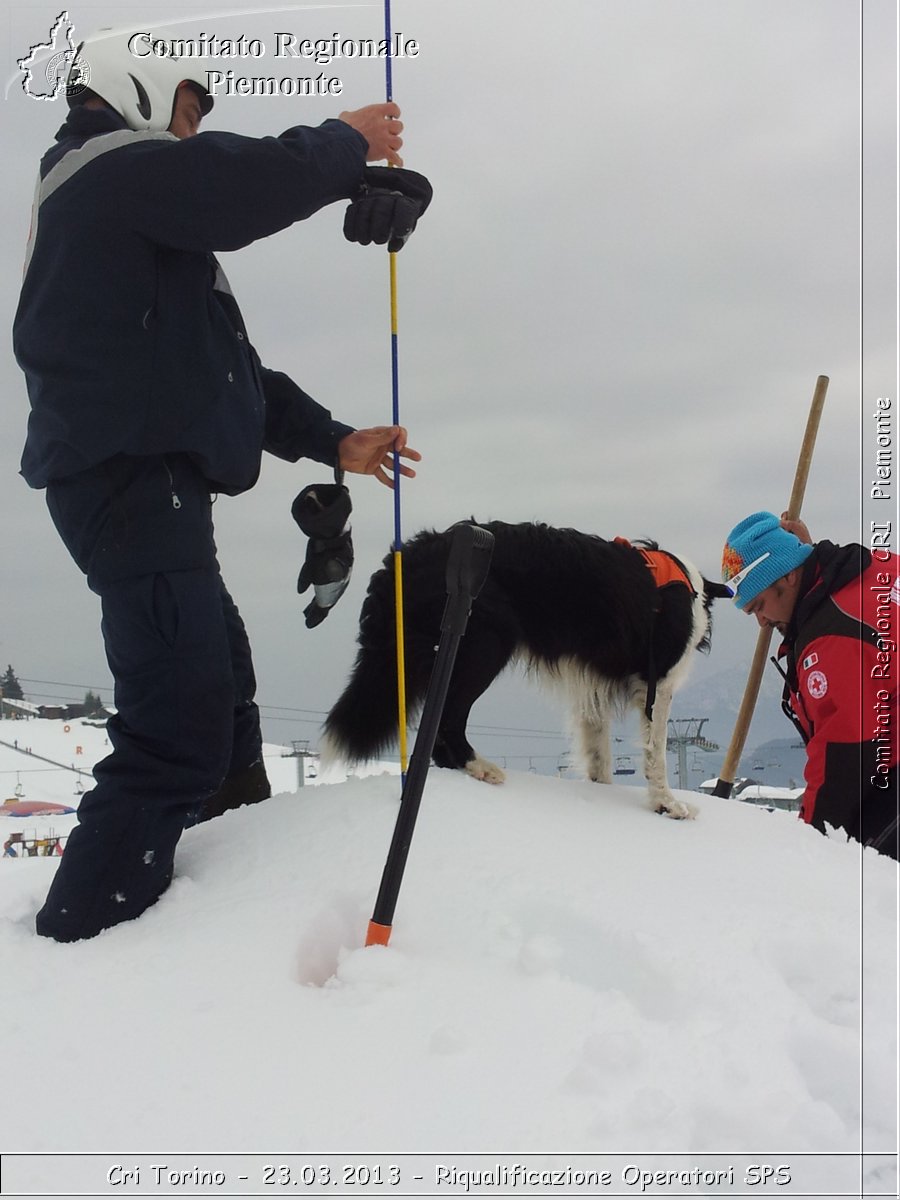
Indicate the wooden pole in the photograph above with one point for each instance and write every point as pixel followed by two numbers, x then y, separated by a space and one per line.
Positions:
pixel 728 774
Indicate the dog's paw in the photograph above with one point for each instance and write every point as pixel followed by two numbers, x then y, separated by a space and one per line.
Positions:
pixel 679 810
pixel 480 768
pixel 600 777
pixel 598 768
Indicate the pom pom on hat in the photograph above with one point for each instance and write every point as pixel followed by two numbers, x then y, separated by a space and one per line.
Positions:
pixel 757 553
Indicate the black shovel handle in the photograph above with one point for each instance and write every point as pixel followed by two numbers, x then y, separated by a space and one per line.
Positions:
pixel 467 568
pixel 468 565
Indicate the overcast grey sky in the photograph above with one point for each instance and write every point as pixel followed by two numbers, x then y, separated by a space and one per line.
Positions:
pixel 644 247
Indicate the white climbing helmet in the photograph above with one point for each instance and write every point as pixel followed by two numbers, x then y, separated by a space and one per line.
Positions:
pixel 137 74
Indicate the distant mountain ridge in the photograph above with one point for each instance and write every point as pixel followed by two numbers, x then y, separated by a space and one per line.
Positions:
pixel 773 752
pixel 717 695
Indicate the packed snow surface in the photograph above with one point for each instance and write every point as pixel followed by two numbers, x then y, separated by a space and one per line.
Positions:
pixel 568 971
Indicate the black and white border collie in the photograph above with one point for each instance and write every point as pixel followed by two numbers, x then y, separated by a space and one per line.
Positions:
pixel 608 623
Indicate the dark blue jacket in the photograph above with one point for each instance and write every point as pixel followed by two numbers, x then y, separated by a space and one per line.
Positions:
pixel 129 337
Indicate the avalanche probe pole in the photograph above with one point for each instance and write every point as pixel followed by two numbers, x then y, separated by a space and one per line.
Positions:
pixel 745 714
pixel 395 420
pixel 467 568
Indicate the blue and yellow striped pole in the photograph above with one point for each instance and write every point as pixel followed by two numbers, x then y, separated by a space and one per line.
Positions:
pixel 398 541
pixel 395 420
pixel 378 933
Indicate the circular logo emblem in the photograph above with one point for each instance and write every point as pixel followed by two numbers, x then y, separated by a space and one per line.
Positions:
pixel 817 684
pixel 77 78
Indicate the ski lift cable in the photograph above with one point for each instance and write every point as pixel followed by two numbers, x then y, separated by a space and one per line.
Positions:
pixel 91 687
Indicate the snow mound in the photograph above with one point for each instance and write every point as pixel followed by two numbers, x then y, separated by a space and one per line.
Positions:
pixel 567 970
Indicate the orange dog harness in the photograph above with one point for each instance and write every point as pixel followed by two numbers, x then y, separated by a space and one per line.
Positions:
pixel 666 569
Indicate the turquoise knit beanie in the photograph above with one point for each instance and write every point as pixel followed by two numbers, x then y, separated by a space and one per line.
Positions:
pixel 757 553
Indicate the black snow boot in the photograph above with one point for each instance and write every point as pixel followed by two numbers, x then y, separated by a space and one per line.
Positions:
pixel 247 786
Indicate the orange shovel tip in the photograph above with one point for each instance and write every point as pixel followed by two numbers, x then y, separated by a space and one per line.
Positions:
pixel 378 935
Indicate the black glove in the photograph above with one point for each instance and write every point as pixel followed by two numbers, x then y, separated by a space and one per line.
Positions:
pixel 321 511
pixel 390 202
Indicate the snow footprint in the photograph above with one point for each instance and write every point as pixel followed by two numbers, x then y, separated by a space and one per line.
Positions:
pixel 332 932
pixel 448 1040
pixel 827 1058
pixel 614 1052
pixel 823 974
pixel 571 946
pixel 823 1029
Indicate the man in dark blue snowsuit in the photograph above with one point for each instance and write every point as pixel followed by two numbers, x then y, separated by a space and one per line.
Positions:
pixel 147 398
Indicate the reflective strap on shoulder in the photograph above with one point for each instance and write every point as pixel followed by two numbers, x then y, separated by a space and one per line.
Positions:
pixel 73 161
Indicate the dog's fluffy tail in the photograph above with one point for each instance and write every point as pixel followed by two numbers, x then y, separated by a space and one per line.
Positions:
pixel 363 722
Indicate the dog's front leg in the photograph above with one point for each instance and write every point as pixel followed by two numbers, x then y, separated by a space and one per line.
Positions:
pixel 594 735
pixel 655 734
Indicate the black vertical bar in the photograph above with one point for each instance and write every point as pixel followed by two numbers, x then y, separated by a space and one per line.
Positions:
pixel 467 568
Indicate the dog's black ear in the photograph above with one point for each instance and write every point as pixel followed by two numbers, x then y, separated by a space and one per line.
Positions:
pixel 716 591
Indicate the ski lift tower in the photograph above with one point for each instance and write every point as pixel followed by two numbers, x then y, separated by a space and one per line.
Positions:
pixel 684 732
pixel 301 752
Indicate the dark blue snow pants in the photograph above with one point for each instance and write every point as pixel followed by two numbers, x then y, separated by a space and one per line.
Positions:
pixel 184 688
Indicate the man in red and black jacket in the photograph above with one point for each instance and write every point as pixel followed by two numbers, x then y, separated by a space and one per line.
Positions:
pixel 838 608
